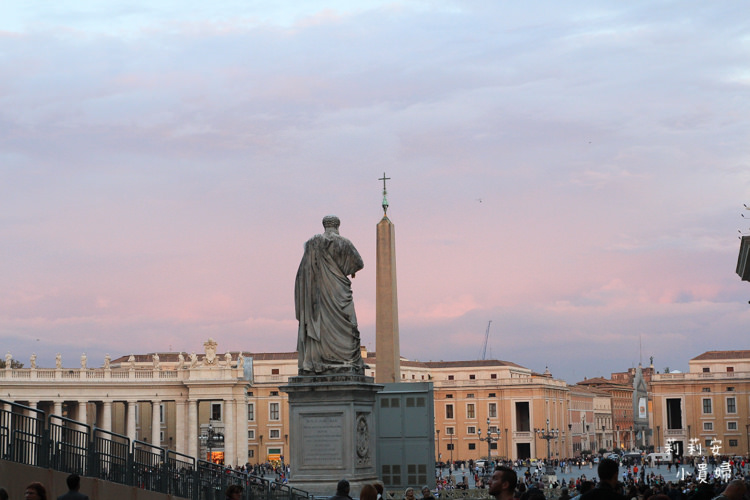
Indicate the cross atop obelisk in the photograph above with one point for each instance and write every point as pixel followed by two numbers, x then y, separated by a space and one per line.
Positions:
pixel 385 194
pixel 387 351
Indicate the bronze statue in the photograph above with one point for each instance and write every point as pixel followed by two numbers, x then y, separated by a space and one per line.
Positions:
pixel 328 338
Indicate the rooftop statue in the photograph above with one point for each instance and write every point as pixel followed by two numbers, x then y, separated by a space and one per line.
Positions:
pixel 328 338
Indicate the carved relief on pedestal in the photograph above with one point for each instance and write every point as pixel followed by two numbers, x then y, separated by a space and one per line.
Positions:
pixel 363 439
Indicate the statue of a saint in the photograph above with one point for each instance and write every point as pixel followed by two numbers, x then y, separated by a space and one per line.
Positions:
pixel 328 338
pixel 193 360
pixel 156 361
pixel 8 361
pixel 180 361
pixel 107 361
pixel 83 361
pixel 58 360
pixel 32 361
pixel 131 361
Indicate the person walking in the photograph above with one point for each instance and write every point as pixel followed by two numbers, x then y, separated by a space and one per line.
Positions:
pixel 74 484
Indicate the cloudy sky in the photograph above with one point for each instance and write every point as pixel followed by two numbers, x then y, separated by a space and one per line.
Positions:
pixel 573 171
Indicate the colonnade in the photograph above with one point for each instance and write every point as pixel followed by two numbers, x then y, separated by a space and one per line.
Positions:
pixel 186 429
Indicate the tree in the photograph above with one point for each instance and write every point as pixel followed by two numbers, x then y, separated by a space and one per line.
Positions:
pixel 14 363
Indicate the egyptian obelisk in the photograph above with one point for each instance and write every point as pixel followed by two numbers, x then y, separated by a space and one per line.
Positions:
pixel 387 352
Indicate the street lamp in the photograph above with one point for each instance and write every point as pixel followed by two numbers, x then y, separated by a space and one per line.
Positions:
pixel 658 442
pixel 212 439
pixel 451 433
pixel 548 435
pixel 618 438
pixel 438 443
pixel 490 439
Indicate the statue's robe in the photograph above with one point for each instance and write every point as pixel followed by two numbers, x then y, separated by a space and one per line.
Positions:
pixel 328 338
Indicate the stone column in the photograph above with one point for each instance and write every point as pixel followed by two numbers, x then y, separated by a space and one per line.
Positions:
pixel 107 415
pixel 33 404
pixel 83 407
pixel 155 423
pixel 57 407
pixel 130 428
pixel 241 441
pixel 230 434
pixel 179 430
pixel 192 428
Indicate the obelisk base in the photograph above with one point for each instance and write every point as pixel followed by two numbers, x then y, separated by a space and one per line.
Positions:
pixel 332 432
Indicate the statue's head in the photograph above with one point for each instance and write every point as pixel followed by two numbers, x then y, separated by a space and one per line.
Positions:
pixel 331 221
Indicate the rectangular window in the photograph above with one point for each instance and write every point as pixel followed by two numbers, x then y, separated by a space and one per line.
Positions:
pixel 161 436
pixel 273 411
pixel 470 396
pixel 216 411
pixel 731 426
pixel 706 406
pixel 470 413
pixel 251 433
pixel 523 422
pixel 250 453
pixel 493 446
pixel 731 405
pixel 472 377
pixel 494 429
pixel 708 426
pixel 706 369
pixel 492 410
pixel 162 412
pixel 730 369
pixel 472 446
pixel 471 430
pixel 274 393
pixel 449 396
pixel 493 375
pixel 733 443
pixel 274 433
pixel 450 377
pixel 730 389
pixel 449 411
pixel 274 371
pixel 449 431
pixel 491 395
pixel 674 413
pixel 706 389
pixel 450 446
pixel 251 412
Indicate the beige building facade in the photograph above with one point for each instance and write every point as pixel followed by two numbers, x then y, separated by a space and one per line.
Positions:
pixel 171 399
pixel 709 403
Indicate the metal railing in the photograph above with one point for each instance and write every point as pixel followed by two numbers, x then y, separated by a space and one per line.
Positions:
pixel 29 436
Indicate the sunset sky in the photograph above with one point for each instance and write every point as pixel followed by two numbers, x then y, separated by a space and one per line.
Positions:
pixel 573 171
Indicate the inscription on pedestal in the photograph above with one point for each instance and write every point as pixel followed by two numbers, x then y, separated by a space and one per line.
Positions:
pixel 323 438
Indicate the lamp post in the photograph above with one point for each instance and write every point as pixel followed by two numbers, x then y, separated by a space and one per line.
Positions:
pixel 604 437
pixel 570 438
pixel 658 442
pixel 451 447
pixel 618 438
pixel 438 443
pixel 548 435
pixel 490 439
pixel 212 438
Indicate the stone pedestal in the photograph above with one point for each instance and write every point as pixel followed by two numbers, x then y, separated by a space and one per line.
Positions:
pixel 332 431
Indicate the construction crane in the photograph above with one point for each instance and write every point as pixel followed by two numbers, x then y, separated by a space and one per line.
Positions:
pixel 486 338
